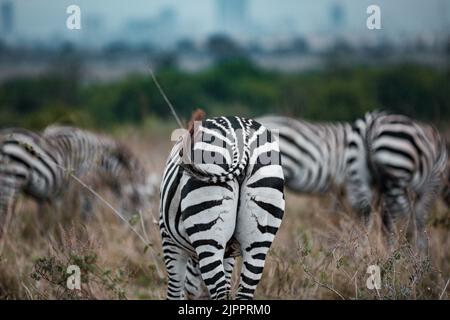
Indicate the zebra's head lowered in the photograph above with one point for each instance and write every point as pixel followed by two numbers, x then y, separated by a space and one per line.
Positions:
pixel 128 179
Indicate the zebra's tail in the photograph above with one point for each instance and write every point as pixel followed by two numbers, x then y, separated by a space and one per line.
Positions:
pixel 204 171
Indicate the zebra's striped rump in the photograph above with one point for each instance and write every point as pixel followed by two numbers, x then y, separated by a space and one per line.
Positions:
pixel 227 192
pixel 409 164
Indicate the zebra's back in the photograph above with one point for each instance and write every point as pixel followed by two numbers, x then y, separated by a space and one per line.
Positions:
pixel 313 154
pixel 82 151
pixel 102 160
pixel 232 191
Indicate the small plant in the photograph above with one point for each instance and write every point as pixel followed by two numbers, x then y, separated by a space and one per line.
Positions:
pixel 94 278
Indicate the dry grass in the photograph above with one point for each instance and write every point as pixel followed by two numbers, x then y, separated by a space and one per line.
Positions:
pixel 317 254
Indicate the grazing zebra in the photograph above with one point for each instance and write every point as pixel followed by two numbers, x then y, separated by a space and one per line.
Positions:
pixel 446 190
pixel 320 157
pixel 389 153
pixel 221 195
pixel 408 160
pixel 106 161
pixel 36 164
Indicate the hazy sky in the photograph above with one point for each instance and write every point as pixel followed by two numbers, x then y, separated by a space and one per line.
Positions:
pixel 39 18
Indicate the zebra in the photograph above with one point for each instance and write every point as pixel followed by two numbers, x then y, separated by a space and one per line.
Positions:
pixel 322 157
pixel 107 162
pixel 408 160
pixel 39 165
pixel 384 153
pixel 229 202
pixel 445 194
pixel 28 164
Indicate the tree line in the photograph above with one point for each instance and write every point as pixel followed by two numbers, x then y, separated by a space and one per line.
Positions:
pixel 230 87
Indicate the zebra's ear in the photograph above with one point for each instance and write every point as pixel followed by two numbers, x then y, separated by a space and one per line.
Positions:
pixel 188 137
pixel 197 115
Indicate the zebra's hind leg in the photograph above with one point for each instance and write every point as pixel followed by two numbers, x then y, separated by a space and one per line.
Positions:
pixel 175 260
pixel 259 217
pixel 396 206
pixel 360 198
pixel 229 266
pixel 8 197
pixel 194 288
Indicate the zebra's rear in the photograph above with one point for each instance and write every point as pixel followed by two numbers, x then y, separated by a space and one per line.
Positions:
pixel 230 192
pixel 405 151
pixel 408 160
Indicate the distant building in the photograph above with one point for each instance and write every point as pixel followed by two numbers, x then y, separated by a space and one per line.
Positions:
pixel 337 16
pixel 6 18
pixel 161 29
pixel 232 15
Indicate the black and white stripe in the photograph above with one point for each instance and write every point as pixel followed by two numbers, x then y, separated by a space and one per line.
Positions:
pixel 28 164
pixel 103 161
pixel 224 190
pixel 324 157
pixel 195 288
pixel 409 162
pixel 39 165
pixel 390 154
pixel 446 189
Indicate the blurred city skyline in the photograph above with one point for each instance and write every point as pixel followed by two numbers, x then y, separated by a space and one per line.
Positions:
pixel 164 22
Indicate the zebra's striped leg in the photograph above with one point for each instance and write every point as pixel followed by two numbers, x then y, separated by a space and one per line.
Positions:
pixel 194 288
pixel 360 198
pixel 87 204
pixel 357 177
pixel 229 266
pixel 212 270
pixel 411 227
pixel 388 228
pixel 175 260
pixel 446 193
pixel 259 217
pixel 253 261
pixel 8 195
pixel 421 210
pixel 420 219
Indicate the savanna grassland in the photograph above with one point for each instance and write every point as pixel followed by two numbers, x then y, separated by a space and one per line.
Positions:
pixel 319 252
